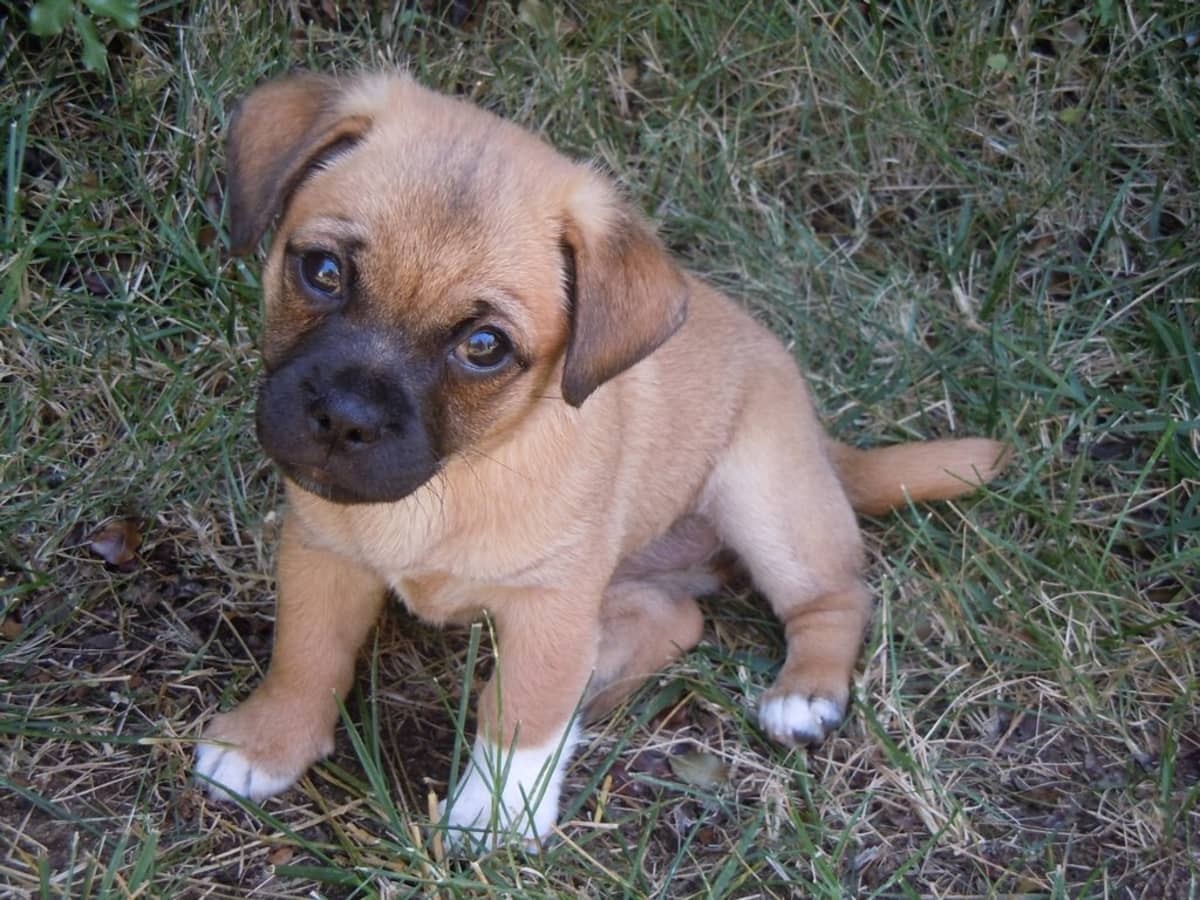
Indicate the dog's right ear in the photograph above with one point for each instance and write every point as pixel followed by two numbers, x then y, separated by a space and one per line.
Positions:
pixel 277 134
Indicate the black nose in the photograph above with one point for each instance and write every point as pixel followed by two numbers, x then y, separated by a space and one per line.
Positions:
pixel 345 421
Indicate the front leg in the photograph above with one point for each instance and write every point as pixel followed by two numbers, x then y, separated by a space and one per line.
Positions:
pixel 325 609
pixel 545 654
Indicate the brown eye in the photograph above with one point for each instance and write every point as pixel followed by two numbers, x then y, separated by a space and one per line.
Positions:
pixel 322 274
pixel 484 350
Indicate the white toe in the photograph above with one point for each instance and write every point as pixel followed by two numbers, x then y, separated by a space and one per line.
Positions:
pixel 526 805
pixel 231 773
pixel 794 718
pixel 827 712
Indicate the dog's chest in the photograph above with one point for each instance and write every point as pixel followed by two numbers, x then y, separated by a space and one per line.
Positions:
pixel 439 598
pixel 438 578
pixel 448 563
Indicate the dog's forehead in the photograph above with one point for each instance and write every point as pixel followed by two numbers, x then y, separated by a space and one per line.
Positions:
pixel 452 212
pixel 448 207
pixel 437 234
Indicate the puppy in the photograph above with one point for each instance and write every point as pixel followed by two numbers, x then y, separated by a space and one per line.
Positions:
pixel 490 389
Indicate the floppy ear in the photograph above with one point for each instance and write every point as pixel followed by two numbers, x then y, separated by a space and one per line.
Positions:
pixel 277 134
pixel 626 295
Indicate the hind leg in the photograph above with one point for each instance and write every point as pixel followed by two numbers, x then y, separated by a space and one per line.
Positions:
pixel 644 627
pixel 775 499
pixel 649 616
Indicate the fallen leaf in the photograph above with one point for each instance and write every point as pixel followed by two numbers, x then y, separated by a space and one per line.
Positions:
pixel 703 770
pixel 206 236
pixel 117 542
pixel 97 283
pixel 997 62
pixel 10 629
pixel 537 15
pixel 108 640
pixel 280 856
pixel 187 802
pixel 1073 31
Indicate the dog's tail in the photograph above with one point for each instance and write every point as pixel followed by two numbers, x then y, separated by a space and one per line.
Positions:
pixel 882 479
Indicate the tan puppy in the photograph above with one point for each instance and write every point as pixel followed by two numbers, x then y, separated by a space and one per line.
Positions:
pixel 491 389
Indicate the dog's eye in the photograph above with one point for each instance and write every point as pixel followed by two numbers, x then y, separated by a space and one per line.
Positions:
pixel 321 273
pixel 484 350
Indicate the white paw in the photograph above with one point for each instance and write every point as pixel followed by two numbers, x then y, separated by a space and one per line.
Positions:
pixel 796 719
pixel 230 772
pixel 526 805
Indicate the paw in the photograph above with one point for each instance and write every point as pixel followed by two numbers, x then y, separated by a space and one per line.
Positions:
pixel 792 718
pixel 258 750
pixel 524 806
pixel 230 771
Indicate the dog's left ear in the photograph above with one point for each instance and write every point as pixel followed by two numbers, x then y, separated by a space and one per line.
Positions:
pixel 627 296
pixel 278 133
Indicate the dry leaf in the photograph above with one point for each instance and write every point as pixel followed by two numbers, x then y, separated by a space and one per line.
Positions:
pixel 206 236
pixel 703 770
pixel 117 542
pixel 280 856
pixel 97 283
pixel 537 15
pixel 10 629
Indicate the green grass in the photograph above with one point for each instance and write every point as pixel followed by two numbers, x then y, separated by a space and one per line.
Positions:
pixel 966 218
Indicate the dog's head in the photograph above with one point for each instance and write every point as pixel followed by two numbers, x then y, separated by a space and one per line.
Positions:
pixel 435 273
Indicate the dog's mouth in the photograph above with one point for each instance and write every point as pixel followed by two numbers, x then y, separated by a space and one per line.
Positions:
pixel 316 481
pixel 321 483
pixel 327 486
